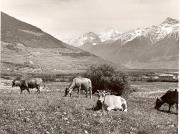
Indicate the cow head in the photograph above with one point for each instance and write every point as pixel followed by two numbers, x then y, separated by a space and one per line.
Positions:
pixel 16 83
pixel 66 92
pixel 101 95
pixel 13 83
pixel 159 102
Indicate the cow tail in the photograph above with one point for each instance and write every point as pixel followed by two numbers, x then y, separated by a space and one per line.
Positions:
pixel 26 83
pixel 90 88
pixel 44 86
pixel 125 106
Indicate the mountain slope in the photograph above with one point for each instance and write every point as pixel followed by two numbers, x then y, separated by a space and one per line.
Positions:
pixel 155 47
pixel 26 48
pixel 14 30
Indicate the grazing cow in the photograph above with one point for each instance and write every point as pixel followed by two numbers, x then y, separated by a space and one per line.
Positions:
pixel 25 84
pixel 80 83
pixel 170 97
pixel 112 102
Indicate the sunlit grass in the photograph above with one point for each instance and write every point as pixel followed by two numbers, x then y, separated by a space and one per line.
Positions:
pixel 51 113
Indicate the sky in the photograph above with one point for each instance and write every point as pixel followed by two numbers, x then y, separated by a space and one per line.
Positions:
pixel 67 18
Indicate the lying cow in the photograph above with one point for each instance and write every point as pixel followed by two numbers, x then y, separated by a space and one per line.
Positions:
pixel 112 102
pixel 26 84
pixel 170 97
pixel 80 83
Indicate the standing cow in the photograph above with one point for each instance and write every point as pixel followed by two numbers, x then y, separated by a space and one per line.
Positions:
pixel 170 97
pixel 112 102
pixel 26 84
pixel 80 83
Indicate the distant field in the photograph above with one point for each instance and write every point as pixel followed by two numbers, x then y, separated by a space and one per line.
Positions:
pixel 20 59
pixel 51 113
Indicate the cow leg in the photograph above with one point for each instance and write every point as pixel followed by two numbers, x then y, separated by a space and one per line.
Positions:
pixel 86 93
pixel 70 92
pixel 38 89
pixel 103 110
pixel 109 108
pixel 176 107
pixel 28 90
pixel 90 90
pixel 124 107
pixel 169 108
pixel 21 90
pixel 79 89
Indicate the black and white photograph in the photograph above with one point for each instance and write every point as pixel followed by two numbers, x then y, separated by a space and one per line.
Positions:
pixel 89 66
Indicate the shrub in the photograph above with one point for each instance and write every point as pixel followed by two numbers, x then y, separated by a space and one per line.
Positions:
pixel 105 77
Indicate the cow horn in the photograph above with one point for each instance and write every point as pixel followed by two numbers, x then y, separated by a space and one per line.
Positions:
pixel 159 98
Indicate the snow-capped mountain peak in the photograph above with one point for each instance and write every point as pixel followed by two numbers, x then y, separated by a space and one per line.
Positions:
pixel 151 47
pixel 87 38
pixel 153 33
pixel 110 34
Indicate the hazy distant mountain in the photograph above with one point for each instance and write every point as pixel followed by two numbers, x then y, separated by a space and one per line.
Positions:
pixel 92 38
pixel 150 48
pixel 26 48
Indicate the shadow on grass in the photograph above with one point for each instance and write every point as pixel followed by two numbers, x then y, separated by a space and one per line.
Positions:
pixel 97 107
pixel 166 111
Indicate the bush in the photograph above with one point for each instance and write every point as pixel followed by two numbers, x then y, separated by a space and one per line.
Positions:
pixel 105 77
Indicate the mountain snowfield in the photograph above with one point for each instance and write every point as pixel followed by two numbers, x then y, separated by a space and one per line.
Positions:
pixel 152 47
pixel 111 34
pixel 154 33
pixel 92 38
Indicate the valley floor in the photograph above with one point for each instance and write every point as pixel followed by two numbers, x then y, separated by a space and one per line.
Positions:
pixel 51 113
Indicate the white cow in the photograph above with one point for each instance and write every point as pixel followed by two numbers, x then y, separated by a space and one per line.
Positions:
pixel 80 83
pixel 112 102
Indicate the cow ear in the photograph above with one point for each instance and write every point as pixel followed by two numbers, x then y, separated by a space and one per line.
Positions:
pixel 97 92
pixel 158 99
pixel 108 92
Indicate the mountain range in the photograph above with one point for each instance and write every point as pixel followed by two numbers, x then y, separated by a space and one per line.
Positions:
pixel 155 47
pixel 27 49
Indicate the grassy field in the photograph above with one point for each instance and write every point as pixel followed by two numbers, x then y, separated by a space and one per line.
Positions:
pixel 51 113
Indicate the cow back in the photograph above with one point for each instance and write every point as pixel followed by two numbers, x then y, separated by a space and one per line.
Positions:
pixel 84 82
pixel 34 82
pixel 112 100
pixel 170 97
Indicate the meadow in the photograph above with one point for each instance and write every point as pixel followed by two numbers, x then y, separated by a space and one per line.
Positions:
pixel 51 113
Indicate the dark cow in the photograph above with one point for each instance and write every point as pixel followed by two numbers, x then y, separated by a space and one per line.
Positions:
pixel 170 97
pixel 26 84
